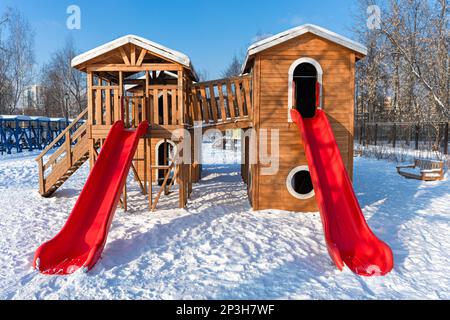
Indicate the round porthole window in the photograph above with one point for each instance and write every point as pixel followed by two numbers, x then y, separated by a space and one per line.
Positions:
pixel 299 183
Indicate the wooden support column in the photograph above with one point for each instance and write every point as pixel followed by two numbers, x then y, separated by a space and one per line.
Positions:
pixel 90 122
pixel 145 166
pixel 190 180
pixel 125 200
pixel 181 182
pixel 41 176
pixel 149 167
pixel 68 146
pixel 181 111
pixel 121 97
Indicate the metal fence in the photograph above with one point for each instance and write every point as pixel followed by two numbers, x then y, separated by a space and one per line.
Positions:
pixel 18 133
pixel 424 136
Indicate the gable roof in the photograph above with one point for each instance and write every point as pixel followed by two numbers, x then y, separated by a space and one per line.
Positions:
pixel 298 31
pixel 150 46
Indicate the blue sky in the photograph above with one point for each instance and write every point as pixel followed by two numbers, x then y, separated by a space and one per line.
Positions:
pixel 210 32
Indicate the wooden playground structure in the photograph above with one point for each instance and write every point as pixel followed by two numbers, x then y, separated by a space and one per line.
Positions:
pixel 134 80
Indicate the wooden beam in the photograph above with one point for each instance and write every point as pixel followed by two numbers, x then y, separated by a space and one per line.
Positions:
pixel 136 175
pixel 90 97
pixel 220 81
pixel 166 178
pixel 124 57
pixel 141 57
pixel 133 55
pixel 130 68
pixel 180 94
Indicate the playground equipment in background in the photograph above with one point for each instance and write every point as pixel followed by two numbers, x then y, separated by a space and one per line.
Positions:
pixel 136 81
pixel 423 169
pixel 29 133
pixel 230 138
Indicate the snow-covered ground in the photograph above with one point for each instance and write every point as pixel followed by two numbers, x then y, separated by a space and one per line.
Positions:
pixel 218 248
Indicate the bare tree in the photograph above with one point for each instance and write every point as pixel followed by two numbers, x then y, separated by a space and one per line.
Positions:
pixel 233 69
pixel 202 75
pixel 65 87
pixel 16 59
pixel 408 59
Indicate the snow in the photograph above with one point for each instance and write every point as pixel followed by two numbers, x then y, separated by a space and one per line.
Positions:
pixel 218 248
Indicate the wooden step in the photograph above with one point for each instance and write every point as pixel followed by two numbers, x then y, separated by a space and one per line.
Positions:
pixel 61 172
pixel 60 181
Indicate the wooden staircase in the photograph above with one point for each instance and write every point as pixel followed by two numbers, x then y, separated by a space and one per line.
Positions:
pixel 56 168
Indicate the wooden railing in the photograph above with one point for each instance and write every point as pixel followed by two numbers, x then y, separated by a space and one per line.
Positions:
pixel 160 107
pixel 105 105
pixel 221 101
pixel 73 146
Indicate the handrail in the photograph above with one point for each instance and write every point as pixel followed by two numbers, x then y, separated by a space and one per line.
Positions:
pixel 224 80
pixel 61 135
pixel 222 101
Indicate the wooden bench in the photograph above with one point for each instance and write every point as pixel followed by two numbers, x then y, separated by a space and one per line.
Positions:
pixel 426 170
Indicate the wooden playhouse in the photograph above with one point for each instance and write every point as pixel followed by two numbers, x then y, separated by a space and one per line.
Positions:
pixel 134 79
pixel 307 67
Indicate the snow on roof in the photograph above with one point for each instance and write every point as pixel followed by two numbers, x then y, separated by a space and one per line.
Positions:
pixel 11 118
pixel 151 46
pixel 300 30
pixel 40 119
pixel 59 119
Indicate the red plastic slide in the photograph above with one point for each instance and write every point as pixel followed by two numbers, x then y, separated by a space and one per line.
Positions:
pixel 349 238
pixel 81 241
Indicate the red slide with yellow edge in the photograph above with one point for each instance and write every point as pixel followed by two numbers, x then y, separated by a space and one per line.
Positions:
pixel 349 239
pixel 81 241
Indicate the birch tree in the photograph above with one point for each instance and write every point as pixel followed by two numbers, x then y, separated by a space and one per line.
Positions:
pixel 16 59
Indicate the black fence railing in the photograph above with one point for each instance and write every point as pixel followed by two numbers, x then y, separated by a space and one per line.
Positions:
pixel 423 136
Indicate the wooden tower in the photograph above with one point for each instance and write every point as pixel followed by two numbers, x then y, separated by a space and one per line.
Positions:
pixel 313 68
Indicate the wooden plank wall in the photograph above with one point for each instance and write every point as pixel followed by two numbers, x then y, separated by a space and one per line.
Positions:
pixel 271 112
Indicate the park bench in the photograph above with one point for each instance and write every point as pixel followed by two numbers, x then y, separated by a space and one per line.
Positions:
pixel 422 169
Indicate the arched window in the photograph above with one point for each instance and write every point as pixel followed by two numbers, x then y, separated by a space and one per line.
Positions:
pixel 305 87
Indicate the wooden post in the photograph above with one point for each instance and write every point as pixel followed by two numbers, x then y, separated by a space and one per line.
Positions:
pixel 190 180
pixel 165 160
pixel 41 176
pixel 150 191
pixel 145 166
pixel 90 122
pixel 163 187
pixel 181 181
pixel 68 147
pixel 121 97
pixel 125 204
pixel 90 98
